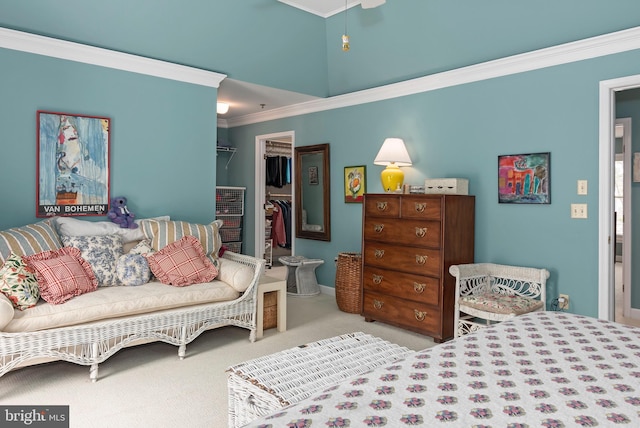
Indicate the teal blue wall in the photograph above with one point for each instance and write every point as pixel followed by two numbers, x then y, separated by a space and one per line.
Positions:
pixel 162 153
pixel 259 41
pixel 164 132
pixel 628 105
pixel 412 38
pixel 459 132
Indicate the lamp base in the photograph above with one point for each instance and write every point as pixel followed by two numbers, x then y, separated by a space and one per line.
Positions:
pixel 392 178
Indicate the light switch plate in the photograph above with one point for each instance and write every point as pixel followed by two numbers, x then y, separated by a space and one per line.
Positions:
pixel 582 187
pixel 578 210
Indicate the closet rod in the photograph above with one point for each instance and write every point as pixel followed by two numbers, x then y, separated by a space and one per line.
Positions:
pixel 279 195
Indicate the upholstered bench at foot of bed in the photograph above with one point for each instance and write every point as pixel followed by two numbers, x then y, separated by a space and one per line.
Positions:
pixel 263 385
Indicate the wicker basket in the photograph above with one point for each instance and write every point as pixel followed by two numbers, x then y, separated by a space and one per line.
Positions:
pixel 348 285
pixel 270 313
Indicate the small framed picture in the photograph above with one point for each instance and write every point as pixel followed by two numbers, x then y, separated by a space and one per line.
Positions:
pixel 524 179
pixel 313 175
pixel 355 183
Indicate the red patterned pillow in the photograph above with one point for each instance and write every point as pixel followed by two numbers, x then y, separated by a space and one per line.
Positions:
pixel 181 263
pixel 62 274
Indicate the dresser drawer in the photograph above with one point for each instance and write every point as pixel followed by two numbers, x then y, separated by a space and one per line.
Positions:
pixel 424 289
pixel 407 232
pixel 412 315
pixel 421 207
pixel 419 261
pixel 382 206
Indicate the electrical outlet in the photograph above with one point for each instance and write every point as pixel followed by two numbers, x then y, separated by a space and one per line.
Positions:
pixel 563 301
pixel 578 210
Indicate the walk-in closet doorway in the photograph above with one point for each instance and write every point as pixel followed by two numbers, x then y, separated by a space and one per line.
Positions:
pixel 274 234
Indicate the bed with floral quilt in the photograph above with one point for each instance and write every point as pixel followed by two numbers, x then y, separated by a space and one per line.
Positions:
pixel 545 369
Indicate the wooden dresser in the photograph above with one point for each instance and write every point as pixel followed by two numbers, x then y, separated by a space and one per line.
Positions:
pixel 409 242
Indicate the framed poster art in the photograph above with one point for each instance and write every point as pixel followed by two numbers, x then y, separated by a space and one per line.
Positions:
pixel 355 183
pixel 72 164
pixel 524 179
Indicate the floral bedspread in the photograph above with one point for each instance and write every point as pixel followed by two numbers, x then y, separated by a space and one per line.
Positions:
pixel 548 369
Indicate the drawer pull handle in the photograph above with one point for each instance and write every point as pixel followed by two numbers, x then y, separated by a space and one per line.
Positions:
pixel 419 288
pixel 377 304
pixel 378 228
pixel 378 254
pixel 420 316
pixel 421 232
pixel 377 279
pixel 421 206
pixel 381 206
pixel 421 259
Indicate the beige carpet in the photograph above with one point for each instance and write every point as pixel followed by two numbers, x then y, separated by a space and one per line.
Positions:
pixel 149 386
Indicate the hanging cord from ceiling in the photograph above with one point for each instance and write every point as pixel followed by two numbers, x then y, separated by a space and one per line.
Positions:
pixel 345 37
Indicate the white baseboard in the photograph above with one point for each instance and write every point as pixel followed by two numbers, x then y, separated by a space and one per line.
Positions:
pixel 324 289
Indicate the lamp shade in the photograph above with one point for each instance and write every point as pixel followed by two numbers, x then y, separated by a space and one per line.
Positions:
pixel 393 154
pixel 393 151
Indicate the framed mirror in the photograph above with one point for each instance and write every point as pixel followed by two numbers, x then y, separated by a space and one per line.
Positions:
pixel 312 190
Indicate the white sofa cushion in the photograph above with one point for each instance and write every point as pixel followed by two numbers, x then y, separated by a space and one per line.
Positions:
pixel 68 226
pixel 114 302
pixel 6 311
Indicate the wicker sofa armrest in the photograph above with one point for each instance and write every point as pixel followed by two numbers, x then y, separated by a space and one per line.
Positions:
pixel 258 266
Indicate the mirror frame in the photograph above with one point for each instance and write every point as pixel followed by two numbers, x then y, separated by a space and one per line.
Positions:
pixel 325 235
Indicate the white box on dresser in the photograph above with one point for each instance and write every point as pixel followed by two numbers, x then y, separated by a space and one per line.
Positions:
pixel 446 186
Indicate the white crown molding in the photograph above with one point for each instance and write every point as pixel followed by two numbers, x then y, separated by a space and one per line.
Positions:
pixel 319 10
pixel 27 42
pixel 608 44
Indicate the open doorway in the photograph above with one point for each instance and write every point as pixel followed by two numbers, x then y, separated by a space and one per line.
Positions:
pixel 623 221
pixel 275 199
pixel 607 235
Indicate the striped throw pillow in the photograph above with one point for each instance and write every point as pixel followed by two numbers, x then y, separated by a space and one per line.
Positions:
pixel 163 233
pixel 27 240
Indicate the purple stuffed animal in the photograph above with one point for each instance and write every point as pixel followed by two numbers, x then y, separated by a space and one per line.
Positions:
pixel 120 214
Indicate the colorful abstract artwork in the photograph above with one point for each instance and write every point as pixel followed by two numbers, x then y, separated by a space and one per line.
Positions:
pixel 524 179
pixel 72 165
pixel 355 183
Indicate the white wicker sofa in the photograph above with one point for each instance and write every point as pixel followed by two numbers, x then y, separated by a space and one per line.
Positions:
pixel 89 328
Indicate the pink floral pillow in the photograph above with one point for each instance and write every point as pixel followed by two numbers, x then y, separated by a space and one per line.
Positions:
pixel 181 263
pixel 62 274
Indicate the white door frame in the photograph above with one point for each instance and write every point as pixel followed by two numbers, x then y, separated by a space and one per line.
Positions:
pixel 260 193
pixel 606 234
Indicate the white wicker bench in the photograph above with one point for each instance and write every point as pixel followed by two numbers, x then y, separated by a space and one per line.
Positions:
pixel 266 384
pixel 92 343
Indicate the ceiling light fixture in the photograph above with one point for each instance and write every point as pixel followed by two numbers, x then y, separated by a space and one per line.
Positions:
pixel 345 37
pixel 222 108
